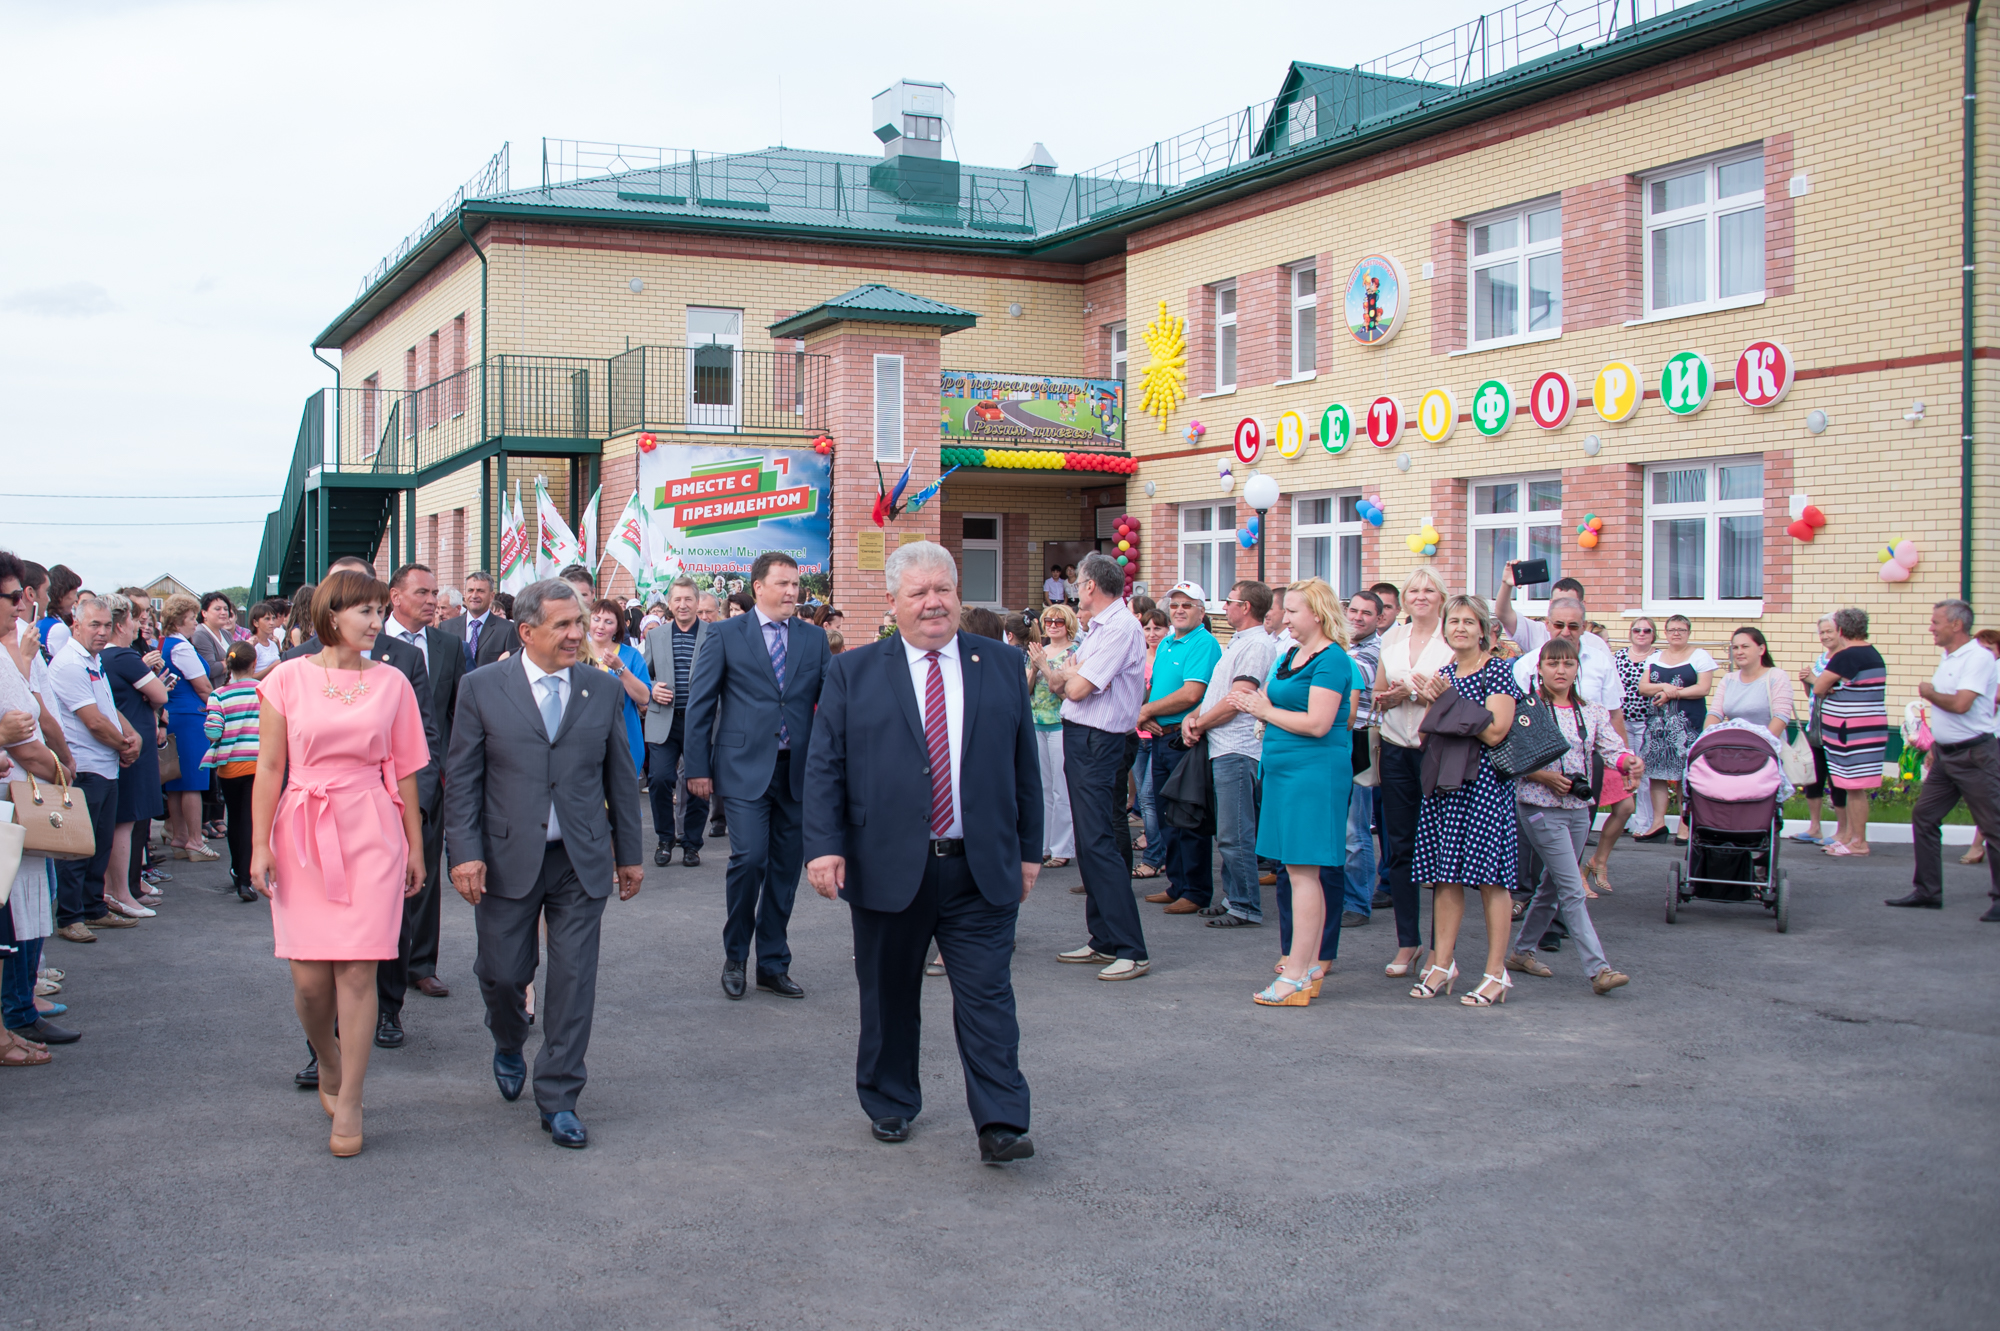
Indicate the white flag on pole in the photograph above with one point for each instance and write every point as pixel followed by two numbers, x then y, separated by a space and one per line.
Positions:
pixel 557 549
pixel 631 540
pixel 590 558
pixel 513 544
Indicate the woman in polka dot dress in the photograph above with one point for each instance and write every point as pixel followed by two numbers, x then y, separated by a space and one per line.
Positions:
pixel 1468 837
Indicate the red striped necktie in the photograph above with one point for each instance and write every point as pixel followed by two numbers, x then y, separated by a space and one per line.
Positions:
pixel 937 740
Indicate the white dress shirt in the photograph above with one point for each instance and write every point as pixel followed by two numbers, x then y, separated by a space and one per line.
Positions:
pixel 535 677
pixel 1597 677
pixel 416 637
pixel 954 715
pixel 1970 667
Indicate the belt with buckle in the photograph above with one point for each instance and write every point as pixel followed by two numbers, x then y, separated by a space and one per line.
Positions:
pixel 1962 744
pixel 947 847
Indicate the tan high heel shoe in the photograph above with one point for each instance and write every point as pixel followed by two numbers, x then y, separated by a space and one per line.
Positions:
pixel 326 1103
pixel 1396 972
pixel 344 1147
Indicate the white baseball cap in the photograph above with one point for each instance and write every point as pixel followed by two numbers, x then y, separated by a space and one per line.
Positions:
pixel 1191 590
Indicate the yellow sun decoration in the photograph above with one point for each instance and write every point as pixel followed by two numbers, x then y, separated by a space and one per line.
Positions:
pixel 1163 384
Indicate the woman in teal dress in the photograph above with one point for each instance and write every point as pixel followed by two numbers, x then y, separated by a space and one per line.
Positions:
pixel 1308 770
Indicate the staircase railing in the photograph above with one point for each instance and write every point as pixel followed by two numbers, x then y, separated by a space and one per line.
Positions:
pixel 281 525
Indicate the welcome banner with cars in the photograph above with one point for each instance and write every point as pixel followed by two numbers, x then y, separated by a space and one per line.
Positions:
pixel 713 510
pixel 1016 410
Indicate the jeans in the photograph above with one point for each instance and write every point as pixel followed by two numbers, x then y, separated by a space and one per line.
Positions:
pixel 17 981
pixel 1360 868
pixel 1190 856
pixel 663 761
pixel 1402 791
pixel 1155 852
pixel 1094 764
pixel 80 883
pixel 1558 836
pixel 1058 838
pixel 1235 778
pixel 1972 774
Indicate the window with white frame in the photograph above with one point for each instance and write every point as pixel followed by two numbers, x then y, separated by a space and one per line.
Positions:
pixel 1514 518
pixel 1301 120
pixel 1326 540
pixel 1118 352
pixel 1516 268
pixel 1208 548
pixel 1705 234
pixel 1305 316
pixel 1705 534
pixel 979 559
pixel 715 368
pixel 1225 337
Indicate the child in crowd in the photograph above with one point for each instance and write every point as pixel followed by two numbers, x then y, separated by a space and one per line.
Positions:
pixel 231 727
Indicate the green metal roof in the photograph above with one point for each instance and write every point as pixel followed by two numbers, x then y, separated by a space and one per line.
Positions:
pixel 848 198
pixel 875 303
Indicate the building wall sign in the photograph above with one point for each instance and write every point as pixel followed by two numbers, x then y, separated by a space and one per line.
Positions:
pixel 1437 415
pixel 1385 422
pixel 1291 440
pixel 1685 382
pixel 1336 429
pixel 1552 399
pixel 1378 295
pixel 1764 374
pixel 1021 410
pixel 715 509
pixel 1249 441
pixel 1493 408
pixel 1617 391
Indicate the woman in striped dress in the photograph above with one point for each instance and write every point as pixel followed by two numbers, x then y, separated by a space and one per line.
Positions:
pixel 1854 717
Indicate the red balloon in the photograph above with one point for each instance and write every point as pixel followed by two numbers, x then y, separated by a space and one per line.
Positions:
pixel 1800 530
pixel 1814 516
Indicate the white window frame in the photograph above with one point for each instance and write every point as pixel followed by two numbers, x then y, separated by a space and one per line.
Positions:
pixel 1214 536
pixel 1520 257
pixel 1519 521
pixel 1712 508
pixel 1120 352
pixel 997 545
pixel 1305 313
pixel 1301 121
pixel 715 417
pixel 1341 529
pixel 1228 346
pixel 1710 211
pixel 888 415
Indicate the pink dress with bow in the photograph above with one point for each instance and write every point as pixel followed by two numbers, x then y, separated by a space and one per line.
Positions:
pixel 338 838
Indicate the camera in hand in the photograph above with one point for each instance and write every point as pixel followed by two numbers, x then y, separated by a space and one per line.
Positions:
pixel 1579 787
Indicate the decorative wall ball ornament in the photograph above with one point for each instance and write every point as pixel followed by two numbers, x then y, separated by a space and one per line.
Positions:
pixel 1616 391
pixel 1764 374
pixel 1552 399
pixel 1291 440
pixel 1336 429
pixel 1384 422
pixel 1402 462
pixel 1437 415
pixel 1592 445
pixel 1378 295
pixel 1163 383
pixel 1493 408
pixel 1685 382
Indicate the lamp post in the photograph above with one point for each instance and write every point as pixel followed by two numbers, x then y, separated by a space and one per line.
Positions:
pixel 1262 492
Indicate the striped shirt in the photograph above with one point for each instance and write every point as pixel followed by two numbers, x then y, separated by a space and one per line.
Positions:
pixel 231 725
pixel 683 640
pixel 1112 656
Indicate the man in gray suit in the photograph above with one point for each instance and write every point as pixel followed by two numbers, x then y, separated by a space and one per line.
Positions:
pixel 670 649
pixel 541 805
pixel 750 708
pixel 483 635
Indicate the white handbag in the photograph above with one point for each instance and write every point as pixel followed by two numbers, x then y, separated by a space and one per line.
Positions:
pixel 1797 759
pixel 13 837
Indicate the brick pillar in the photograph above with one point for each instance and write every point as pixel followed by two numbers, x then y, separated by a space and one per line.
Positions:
pixel 1201 341
pixel 1277 545
pixel 1020 575
pixel 1778 236
pixel 1603 254
pixel 619 477
pixel 1446 290
pixel 1447 514
pixel 1263 327
pixel 1778 547
pixel 1159 546
pixel 1330 318
pixel 851 422
pixel 1612 575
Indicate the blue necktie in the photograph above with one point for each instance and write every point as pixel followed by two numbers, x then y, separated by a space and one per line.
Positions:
pixel 472 644
pixel 551 705
pixel 775 639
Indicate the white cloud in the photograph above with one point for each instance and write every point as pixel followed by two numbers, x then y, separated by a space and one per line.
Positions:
pixel 71 300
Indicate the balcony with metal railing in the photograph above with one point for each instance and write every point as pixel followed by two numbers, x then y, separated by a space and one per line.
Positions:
pixel 719 390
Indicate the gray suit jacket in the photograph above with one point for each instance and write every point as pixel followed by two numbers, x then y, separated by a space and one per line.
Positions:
pixel 734 698
pixel 496 636
pixel 660 662
pixel 504 771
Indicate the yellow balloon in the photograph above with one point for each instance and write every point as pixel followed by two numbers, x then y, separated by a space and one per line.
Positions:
pixel 1416 543
pixel 1430 536
pixel 1123 546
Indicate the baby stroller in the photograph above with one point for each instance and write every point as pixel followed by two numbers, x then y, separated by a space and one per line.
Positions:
pixel 1733 815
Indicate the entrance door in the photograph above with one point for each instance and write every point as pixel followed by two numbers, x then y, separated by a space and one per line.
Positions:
pixel 979 561
pixel 715 369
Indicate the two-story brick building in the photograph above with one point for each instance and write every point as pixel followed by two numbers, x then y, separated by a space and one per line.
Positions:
pixel 1686 269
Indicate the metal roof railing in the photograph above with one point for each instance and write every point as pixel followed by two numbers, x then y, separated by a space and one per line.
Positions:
pixel 491 179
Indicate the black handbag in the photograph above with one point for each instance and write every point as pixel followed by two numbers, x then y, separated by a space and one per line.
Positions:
pixel 1533 742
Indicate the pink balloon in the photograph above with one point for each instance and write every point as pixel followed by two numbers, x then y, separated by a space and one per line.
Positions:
pixel 1907 554
pixel 1893 572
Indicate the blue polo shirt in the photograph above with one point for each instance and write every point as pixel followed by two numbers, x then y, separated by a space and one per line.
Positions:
pixel 1181 657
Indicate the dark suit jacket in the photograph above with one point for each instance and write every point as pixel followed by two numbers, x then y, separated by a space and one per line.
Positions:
pixel 390 651
pixel 660 664
pixel 497 637
pixel 734 694
pixel 504 771
pixel 871 783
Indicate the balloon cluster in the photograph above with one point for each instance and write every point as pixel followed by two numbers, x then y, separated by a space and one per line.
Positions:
pixel 1099 462
pixel 1035 459
pixel 647 443
pixel 823 445
pixel 1224 472
pixel 1423 542
pixel 1808 524
pixel 1588 532
pixel 1125 533
pixel 1195 430
pixel 1246 535
pixel 1370 510
pixel 1898 558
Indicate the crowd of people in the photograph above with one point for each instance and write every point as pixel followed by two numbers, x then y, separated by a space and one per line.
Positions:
pixel 1350 755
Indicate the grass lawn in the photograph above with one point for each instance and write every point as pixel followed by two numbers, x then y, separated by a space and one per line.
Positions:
pixel 1890 804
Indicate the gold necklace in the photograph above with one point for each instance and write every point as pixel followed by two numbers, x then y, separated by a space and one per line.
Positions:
pixel 346 697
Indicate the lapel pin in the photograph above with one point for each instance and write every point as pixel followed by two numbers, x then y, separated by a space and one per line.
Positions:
pixel 975 656
pixel 586 692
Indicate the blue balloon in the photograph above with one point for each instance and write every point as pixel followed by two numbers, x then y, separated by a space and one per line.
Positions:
pixel 1247 537
pixel 1375 516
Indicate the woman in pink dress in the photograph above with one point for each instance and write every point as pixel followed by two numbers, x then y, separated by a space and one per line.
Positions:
pixel 337 837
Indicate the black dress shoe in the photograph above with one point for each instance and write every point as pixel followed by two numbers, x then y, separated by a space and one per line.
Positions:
pixel 307 1077
pixel 663 854
pixel 245 892
pixel 784 986
pixel 732 978
pixel 1992 915
pixel 510 1073
pixel 690 858
pixel 1551 941
pixel 1382 899
pixel 565 1129
pixel 1921 903
pixel 999 1145
pixel 388 1031
pixel 891 1129
pixel 48 1032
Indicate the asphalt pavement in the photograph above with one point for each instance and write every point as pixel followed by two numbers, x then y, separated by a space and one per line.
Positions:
pixel 1779 1131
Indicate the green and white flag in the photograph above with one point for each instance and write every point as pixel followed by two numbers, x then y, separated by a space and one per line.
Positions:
pixel 514 573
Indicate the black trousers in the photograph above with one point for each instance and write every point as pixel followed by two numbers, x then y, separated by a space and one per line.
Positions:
pixel 236 807
pixel 1402 793
pixel 508 944
pixel 80 883
pixel 663 762
pixel 975 939
pixel 766 851
pixel 417 948
pixel 1971 773
pixel 1094 765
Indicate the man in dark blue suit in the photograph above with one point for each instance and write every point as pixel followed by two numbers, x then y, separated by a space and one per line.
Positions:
pixel 754 685
pixel 927 818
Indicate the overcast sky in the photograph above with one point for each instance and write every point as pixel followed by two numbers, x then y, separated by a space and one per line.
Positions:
pixel 194 190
